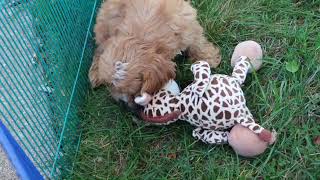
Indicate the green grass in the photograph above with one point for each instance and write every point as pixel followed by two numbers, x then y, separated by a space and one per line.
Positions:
pixel 114 147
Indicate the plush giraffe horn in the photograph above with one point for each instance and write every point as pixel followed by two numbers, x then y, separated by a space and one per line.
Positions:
pixel 160 119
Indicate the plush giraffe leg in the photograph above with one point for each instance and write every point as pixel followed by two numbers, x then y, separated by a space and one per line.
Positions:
pixel 211 136
pixel 241 69
pixel 264 134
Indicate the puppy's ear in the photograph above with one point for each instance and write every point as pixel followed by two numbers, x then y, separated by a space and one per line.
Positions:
pixel 156 75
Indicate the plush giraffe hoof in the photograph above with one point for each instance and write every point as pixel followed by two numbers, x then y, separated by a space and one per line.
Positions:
pixel 245 142
pixel 267 136
pixel 273 137
pixel 250 49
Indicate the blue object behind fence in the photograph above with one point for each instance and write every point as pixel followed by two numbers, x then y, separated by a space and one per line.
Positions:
pixel 24 167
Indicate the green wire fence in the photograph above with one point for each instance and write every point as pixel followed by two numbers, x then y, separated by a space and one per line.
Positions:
pixel 45 51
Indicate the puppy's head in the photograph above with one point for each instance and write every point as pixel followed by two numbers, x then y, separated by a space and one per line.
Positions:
pixel 145 76
pixel 147 69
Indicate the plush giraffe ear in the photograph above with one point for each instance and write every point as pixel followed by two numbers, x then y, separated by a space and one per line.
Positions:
pixel 201 72
pixel 143 100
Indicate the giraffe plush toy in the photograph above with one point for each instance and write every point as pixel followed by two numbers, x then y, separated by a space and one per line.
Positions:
pixel 213 103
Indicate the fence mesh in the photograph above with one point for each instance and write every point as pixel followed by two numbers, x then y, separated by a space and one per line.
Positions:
pixel 45 51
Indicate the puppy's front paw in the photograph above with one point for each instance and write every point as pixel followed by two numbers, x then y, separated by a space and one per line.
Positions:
pixel 143 100
pixel 120 72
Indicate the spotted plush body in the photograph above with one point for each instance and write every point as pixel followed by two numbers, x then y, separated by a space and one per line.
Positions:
pixel 212 103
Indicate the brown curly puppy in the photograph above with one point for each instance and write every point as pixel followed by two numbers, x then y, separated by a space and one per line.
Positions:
pixel 137 40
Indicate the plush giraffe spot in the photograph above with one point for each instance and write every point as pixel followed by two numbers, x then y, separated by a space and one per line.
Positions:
pixel 186 92
pixel 217 100
pixel 242 77
pixel 230 101
pixel 205 96
pixel 225 81
pixel 241 65
pixel 203 106
pixel 250 120
pixel 229 92
pixel 213 127
pixel 214 81
pixel 242 120
pixel 150 112
pixel 216 108
pixel 210 135
pixel 238 71
pixel 205 65
pixel 158 113
pixel 200 84
pixel 174 101
pixel 227 114
pixel 205 125
pixel 165 104
pixel 187 101
pixel 183 108
pixel 190 109
pixel 199 89
pixel 236 101
pixel 255 128
pixel 241 99
pixel 197 75
pixel 204 118
pixel 210 93
pixel 223 94
pixel 236 113
pixel 158 102
pixel 171 109
pixel 198 111
pixel 220 115
pixel 204 76
pixel 221 124
pixel 235 90
pixel 209 113
pixel 162 94
pixel 216 89
pixel 224 104
pixel 195 117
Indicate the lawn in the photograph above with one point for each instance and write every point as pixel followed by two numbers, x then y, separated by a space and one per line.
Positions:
pixel 284 95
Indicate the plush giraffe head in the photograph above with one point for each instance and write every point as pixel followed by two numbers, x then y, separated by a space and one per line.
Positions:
pixel 164 107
